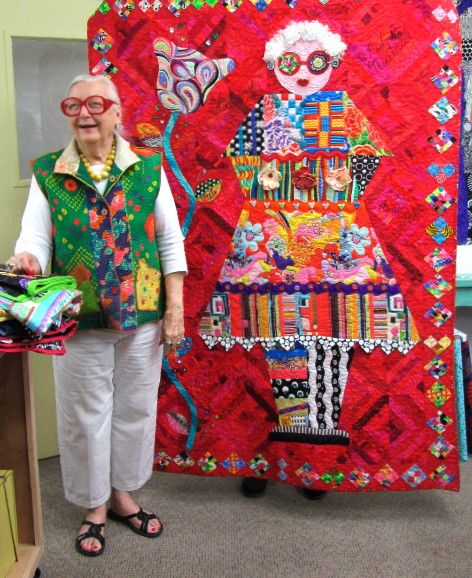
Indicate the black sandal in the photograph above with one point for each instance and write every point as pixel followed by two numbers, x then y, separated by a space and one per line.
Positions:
pixel 142 517
pixel 92 532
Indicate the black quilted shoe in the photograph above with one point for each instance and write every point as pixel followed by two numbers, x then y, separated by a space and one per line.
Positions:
pixel 253 487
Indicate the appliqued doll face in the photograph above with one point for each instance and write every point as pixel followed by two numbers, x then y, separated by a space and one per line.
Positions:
pixel 304 68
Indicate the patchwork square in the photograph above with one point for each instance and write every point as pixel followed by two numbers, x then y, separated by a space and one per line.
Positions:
pixel 102 41
pixel 414 476
pixel 439 423
pixel 445 79
pixel 208 463
pixel 176 5
pixel 359 478
pixel 443 110
pixel 438 314
pixel 437 287
pixel 440 200
pixel 438 346
pixel 162 460
pixel 441 475
pixel 232 5
pixel 438 259
pixel 439 230
pixel 333 477
pixel 440 448
pixel 442 140
pixel 306 474
pixel 386 476
pixel 441 173
pixel 441 14
pixel 233 463
pixel 104 8
pixel 436 367
pixel 438 394
pixel 259 465
pixel 124 8
pixel 183 460
pixel 261 4
pixel 105 67
pixel 445 46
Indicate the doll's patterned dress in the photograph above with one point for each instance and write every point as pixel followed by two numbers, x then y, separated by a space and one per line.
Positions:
pixel 305 271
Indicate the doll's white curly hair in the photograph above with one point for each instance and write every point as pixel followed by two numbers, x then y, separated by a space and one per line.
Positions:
pixel 304 30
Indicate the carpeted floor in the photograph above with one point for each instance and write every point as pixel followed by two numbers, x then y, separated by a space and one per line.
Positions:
pixel 212 531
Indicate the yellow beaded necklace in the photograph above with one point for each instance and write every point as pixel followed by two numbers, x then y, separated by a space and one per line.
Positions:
pixel 97 177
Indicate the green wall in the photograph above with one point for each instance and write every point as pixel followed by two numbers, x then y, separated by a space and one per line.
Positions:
pixel 54 19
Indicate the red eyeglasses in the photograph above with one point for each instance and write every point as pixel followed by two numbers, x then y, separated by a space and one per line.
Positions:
pixel 95 104
pixel 289 63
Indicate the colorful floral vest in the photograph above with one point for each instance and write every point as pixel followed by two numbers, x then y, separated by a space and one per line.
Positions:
pixel 106 242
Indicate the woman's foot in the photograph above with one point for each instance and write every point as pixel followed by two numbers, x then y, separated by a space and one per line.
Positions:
pixel 253 487
pixel 87 542
pixel 124 509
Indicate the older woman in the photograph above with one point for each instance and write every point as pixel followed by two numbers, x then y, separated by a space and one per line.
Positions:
pixel 105 211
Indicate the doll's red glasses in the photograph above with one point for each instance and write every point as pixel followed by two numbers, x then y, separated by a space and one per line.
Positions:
pixel 289 63
pixel 95 104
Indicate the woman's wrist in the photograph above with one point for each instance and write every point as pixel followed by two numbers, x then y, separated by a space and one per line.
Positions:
pixel 174 308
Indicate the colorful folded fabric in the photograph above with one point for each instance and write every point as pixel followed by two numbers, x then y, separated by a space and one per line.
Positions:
pixel 24 287
pixel 39 316
pixel 51 343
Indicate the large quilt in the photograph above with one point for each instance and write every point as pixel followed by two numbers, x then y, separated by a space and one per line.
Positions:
pixel 312 148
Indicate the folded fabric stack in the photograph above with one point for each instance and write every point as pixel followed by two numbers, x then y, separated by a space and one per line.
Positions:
pixel 35 311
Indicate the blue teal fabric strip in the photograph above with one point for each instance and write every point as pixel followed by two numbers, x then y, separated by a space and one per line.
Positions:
pixel 184 393
pixel 460 402
pixel 178 173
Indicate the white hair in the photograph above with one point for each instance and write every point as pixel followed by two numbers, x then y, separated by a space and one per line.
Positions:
pixel 91 78
pixel 304 30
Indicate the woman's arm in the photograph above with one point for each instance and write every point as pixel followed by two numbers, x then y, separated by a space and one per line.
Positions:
pixel 34 246
pixel 170 244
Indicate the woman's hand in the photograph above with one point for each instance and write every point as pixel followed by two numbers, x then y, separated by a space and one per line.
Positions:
pixel 25 263
pixel 172 329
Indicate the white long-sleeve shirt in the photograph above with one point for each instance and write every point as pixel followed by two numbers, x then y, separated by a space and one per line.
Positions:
pixel 36 227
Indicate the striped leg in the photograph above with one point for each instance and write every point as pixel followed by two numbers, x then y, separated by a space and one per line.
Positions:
pixel 327 378
pixel 309 411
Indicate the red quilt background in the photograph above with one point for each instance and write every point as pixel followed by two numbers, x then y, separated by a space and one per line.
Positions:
pixel 387 72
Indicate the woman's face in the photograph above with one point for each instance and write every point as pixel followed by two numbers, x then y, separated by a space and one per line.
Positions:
pixel 90 129
pixel 303 81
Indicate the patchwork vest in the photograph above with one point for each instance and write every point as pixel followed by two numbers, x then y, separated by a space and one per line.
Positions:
pixel 107 242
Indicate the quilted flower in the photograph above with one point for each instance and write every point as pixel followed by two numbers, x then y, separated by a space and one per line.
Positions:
pixel 270 226
pixel 248 237
pixel 277 244
pixel 269 178
pixel 354 121
pixel 355 239
pixel 364 150
pixel 303 180
pixel 338 178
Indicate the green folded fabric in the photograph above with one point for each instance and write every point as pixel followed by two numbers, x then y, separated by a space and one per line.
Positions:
pixel 49 284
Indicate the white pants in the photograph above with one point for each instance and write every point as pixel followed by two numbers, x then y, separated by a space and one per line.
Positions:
pixel 106 396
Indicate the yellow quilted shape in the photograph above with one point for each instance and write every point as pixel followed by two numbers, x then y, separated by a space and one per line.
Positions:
pixel 148 284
